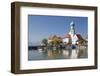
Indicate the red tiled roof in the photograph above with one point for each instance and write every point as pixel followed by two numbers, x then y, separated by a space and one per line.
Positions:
pixel 79 36
pixel 51 37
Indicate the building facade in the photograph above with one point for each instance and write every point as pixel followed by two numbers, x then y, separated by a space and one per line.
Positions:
pixel 71 37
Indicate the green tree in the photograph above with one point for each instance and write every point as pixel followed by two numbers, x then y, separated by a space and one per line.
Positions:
pixel 45 42
pixel 56 41
pixel 82 42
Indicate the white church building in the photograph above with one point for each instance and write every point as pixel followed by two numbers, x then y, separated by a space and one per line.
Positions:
pixel 71 37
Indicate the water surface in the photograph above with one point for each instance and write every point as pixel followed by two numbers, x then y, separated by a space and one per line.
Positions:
pixel 57 54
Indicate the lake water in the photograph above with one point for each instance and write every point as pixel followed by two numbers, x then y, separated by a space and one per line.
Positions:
pixel 57 54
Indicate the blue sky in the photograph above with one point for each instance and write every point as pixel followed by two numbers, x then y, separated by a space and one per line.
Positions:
pixel 40 27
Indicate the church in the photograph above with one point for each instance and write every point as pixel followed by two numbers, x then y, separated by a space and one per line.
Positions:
pixel 71 37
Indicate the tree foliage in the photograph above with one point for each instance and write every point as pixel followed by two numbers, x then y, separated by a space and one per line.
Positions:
pixel 56 41
pixel 45 41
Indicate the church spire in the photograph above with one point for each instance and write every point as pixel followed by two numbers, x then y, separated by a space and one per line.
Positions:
pixel 72 28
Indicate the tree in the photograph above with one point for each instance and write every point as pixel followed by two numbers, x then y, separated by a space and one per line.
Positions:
pixel 56 41
pixel 45 42
pixel 82 42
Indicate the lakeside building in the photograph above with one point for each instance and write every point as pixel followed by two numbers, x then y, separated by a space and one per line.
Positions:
pixel 71 37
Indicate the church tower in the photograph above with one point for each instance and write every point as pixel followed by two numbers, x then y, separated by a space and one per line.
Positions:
pixel 72 29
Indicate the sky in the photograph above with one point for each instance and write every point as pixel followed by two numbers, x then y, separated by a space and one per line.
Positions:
pixel 40 26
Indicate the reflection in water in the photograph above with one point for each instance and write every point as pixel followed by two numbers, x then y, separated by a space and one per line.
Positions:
pixel 74 54
pixel 57 54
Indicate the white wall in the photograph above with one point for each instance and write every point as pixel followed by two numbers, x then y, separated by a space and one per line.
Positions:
pixel 5 33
